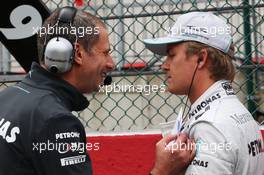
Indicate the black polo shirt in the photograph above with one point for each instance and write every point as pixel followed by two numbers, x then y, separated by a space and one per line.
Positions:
pixel 38 133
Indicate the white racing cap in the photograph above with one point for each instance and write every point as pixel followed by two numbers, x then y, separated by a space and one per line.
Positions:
pixel 203 27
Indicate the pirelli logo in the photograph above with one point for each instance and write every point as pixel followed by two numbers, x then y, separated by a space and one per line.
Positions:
pixel 72 160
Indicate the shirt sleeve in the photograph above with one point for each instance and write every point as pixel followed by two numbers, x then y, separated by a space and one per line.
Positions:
pixel 60 147
pixel 214 153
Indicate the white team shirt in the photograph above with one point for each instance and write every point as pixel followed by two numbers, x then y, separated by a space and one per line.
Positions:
pixel 228 140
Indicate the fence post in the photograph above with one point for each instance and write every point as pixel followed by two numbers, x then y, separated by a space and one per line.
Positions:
pixel 248 56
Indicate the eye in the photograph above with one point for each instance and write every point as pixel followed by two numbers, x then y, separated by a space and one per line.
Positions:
pixel 106 53
pixel 171 54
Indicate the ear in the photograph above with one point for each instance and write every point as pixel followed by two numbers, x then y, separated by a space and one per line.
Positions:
pixel 79 54
pixel 202 58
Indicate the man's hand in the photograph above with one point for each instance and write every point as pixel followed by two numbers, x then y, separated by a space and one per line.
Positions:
pixel 173 158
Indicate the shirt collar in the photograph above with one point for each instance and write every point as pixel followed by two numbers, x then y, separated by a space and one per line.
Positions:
pixel 42 79
pixel 215 92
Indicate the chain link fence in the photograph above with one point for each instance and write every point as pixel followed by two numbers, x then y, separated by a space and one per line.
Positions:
pixel 138 100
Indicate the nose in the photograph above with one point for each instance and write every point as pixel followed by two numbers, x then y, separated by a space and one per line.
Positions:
pixel 110 65
pixel 165 65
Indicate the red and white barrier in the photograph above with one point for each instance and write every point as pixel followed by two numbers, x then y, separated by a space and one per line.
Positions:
pixel 124 154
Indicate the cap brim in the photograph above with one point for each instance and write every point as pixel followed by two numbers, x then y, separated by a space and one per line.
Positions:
pixel 159 45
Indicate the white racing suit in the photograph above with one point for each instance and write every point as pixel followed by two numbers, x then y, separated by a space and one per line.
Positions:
pixel 228 140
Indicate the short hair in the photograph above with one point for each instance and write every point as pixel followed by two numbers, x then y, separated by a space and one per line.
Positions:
pixel 220 63
pixel 82 19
